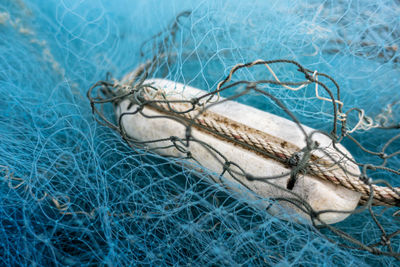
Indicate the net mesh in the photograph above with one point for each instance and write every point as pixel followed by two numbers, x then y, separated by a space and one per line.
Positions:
pixel 73 192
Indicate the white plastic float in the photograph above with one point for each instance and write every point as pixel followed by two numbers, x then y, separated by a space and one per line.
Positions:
pixel 241 119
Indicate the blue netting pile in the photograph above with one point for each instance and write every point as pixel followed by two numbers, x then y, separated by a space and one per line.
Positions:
pixel 72 192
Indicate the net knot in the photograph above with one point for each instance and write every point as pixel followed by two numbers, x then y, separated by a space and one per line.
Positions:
pixel 226 165
pixel 385 241
pixel 307 75
pixel 294 160
pixel 364 178
pixel 194 101
pixel 250 177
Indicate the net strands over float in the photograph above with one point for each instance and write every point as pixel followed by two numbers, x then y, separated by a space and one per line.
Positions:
pixel 134 89
pixel 135 95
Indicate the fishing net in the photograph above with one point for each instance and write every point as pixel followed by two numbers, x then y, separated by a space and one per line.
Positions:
pixel 78 189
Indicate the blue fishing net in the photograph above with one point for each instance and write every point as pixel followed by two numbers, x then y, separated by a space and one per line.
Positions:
pixel 73 192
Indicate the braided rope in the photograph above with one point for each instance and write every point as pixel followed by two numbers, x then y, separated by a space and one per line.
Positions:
pixel 272 145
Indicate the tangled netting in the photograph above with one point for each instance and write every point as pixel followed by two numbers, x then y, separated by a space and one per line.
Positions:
pixel 74 192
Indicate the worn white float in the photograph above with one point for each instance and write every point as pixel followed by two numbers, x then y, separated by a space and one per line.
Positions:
pixel 317 193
